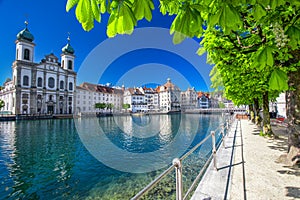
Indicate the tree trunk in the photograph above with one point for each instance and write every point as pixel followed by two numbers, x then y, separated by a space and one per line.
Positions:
pixel 256 111
pixel 293 117
pixel 251 112
pixel 266 115
pixel 293 113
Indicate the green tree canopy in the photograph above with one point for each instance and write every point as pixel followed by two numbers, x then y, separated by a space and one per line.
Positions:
pixel 2 104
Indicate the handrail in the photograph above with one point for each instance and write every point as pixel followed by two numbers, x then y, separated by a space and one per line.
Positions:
pixel 153 183
pixel 176 164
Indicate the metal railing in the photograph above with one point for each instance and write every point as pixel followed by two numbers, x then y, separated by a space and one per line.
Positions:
pixel 177 164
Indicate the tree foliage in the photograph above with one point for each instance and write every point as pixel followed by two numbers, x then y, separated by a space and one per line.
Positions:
pixel 126 106
pixel 254 44
pixel 2 104
pixel 100 106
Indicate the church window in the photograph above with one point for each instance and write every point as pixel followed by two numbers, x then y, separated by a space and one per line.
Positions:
pixel 51 82
pixel 70 86
pixel 25 80
pixel 26 54
pixel 70 64
pixel 40 82
pixel 63 64
pixel 61 85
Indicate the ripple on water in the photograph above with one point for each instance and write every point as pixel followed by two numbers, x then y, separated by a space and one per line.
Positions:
pixel 47 160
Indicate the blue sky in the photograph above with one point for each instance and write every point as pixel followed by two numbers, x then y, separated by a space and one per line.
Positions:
pixel 50 24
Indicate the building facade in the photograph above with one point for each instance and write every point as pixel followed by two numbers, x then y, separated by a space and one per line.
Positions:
pixel 47 87
pixel 204 100
pixel 151 98
pixel 169 96
pixel 136 99
pixel 89 94
pixel 189 99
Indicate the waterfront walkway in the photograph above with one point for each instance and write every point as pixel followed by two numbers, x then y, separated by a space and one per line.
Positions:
pixel 247 168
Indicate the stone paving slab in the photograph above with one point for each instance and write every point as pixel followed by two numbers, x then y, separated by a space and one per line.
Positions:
pixel 215 184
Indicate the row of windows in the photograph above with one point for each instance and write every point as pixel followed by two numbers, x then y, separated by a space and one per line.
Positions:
pixel 39 97
pixel 137 97
pixel 51 83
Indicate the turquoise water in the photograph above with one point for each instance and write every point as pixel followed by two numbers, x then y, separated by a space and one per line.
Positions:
pixel 52 159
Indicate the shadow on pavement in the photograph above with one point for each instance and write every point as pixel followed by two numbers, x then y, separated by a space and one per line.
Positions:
pixel 293 192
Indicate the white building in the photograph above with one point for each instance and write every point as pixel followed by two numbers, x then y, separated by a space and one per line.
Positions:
pixel 279 106
pixel 204 100
pixel 39 88
pixel 189 99
pixel 151 98
pixel 89 94
pixel 169 96
pixel 136 99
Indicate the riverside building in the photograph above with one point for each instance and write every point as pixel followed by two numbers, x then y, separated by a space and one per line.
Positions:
pixel 89 94
pixel 46 87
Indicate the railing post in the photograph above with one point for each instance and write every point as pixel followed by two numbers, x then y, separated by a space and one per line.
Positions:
pixel 223 135
pixel 178 168
pixel 227 124
pixel 214 151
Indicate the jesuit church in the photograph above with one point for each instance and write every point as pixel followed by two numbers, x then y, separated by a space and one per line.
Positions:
pixel 47 87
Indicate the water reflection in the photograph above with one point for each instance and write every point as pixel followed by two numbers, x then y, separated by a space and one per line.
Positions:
pixel 47 160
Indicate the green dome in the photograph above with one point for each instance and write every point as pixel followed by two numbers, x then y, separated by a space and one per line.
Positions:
pixel 68 49
pixel 26 35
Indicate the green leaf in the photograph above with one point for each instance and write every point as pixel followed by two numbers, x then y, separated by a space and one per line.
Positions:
pixel 263 58
pixel 70 4
pixel 278 80
pixel 294 35
pixel 111 30
pixel 96 10
pixel 275 3
pixel 227 17
pixel 121 20
pixel 259 12
pixel 103 6
pixel 143 9
pixel 201 51
pixel 84 14
pixel 264 3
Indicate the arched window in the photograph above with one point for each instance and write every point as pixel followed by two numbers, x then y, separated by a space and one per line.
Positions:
pixel 40 82
pixel 70 86
pixel 70 64
pixel 51 98
pixel 26 54
pixel 51 82
pixel 63 63
pixel 61 85
pixel 25 80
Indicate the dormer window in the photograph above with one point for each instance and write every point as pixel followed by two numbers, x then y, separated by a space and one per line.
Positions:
pixel 26 54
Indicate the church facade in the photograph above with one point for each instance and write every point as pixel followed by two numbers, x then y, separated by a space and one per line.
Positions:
pixel 47 87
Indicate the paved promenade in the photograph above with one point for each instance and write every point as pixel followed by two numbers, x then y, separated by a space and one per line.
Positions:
pixel 247 168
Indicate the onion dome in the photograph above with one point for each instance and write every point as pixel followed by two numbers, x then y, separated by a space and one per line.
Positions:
pixel 25 34
pixel 68 48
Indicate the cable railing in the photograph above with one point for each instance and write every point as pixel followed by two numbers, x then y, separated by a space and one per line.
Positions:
pixel 177 163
